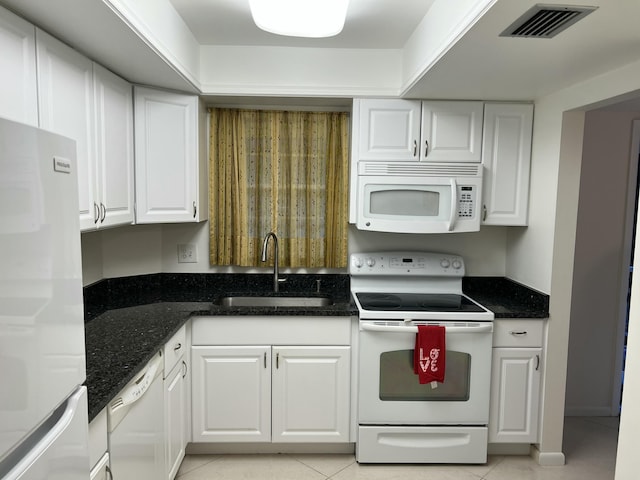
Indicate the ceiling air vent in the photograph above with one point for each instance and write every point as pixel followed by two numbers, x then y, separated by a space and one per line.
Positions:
pixel 546 21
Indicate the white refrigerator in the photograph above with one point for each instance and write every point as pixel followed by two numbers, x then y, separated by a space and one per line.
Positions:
pixel 43 405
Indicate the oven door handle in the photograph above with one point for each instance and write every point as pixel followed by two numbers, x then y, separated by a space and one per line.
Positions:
pixel 370 327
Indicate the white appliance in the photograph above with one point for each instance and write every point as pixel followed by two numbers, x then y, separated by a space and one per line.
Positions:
pixel 399 419
pixel 419 197
pixel 43 405
pixel 136 437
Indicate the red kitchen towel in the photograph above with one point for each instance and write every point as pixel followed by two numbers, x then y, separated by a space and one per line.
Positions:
pixel 429 353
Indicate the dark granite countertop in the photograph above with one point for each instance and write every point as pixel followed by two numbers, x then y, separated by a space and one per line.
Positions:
pixel 506 298
pixel 129 319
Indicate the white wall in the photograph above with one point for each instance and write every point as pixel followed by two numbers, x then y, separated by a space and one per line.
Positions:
pixel 542 255
pixel 287 71
pixel 443 25
pixel 599 282
pixel 142 249
pixel 628 460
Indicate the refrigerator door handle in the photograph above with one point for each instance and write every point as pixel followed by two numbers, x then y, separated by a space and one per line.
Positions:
pixel 34 447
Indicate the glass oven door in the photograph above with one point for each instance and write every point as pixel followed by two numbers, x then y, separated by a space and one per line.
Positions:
pixel 390 392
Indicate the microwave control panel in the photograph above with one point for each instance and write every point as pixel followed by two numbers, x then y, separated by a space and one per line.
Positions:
pixel 466 201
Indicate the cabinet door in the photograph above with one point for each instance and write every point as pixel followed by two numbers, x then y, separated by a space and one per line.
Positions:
pixel 311 394
pixel 451 131
pixel 18 86
pixel 167 157
pixel 231 388
pixel 114 147
pixel 387 129
pixel 506 158
pixel 65 97
pixel 175 408
pixel 515 395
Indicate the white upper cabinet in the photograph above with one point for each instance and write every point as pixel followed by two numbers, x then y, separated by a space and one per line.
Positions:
pixel 114 148
pixel 506 158
pixel 18 85
pixel 386 129
pixel 451 131
pixel 170 151
pixel 89 104
pixel 65 98
pixel 411 130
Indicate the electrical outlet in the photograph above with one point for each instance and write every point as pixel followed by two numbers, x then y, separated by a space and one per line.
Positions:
pixel 187 253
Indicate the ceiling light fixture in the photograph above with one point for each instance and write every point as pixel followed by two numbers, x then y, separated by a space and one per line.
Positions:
pixel 300 18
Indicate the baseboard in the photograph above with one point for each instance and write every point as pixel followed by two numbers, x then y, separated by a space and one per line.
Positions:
pixel 269 448
pixel 587 411
pixel 548 459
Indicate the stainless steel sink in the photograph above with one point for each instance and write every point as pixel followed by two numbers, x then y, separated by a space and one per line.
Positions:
pixel 279 301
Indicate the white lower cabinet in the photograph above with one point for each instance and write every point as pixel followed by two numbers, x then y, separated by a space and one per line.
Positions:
pixel 271 393
pixel 310 394
pixel 515 381
pixel 98 447
pixel 176 410
pixel 231 393
pixel 275 387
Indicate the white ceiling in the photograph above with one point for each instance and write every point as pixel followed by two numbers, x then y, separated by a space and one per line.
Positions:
pixel 481 65
pixel 369 24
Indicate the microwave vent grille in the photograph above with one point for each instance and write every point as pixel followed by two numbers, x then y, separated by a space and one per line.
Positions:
pixel 420 169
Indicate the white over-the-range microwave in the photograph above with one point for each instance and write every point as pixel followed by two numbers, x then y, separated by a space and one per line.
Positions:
pixel 419 197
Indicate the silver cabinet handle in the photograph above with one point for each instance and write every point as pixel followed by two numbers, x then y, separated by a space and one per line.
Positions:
pixel 185 368
pixel 426 148
pixel 415 148
pixel 109 472
pixel 537 362
pixel 484 212
pixel 195 209
pixel 277 361
pixel 518 334
pixel 265 359
pixel 96 213
pixel 177 347
pixel 103 211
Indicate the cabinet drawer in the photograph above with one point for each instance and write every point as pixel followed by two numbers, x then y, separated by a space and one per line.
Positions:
pixel 174 350
pixel 518 333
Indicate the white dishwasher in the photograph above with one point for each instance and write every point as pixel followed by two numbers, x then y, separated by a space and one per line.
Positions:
pixel 136 426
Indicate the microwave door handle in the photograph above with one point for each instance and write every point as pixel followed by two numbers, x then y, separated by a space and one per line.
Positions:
pixel 454 205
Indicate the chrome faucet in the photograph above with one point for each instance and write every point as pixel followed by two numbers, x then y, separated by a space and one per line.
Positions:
pixel 265 244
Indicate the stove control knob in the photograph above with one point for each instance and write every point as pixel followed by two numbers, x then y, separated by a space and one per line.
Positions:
pixel 357 262
pixel 445 263
pixel 371 262
pixel 457 264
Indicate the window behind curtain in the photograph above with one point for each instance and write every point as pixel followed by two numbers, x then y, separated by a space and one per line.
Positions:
pixel 279 171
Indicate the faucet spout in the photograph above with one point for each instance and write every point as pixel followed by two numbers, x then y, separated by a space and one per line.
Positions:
pixel 265 245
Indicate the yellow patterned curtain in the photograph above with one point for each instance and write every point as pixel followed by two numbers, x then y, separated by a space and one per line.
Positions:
pixel 279 171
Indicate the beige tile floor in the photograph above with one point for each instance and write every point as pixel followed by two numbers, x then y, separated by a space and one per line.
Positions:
pixel 589 446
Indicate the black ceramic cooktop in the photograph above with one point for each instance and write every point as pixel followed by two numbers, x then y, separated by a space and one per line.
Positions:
pixel 417 302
